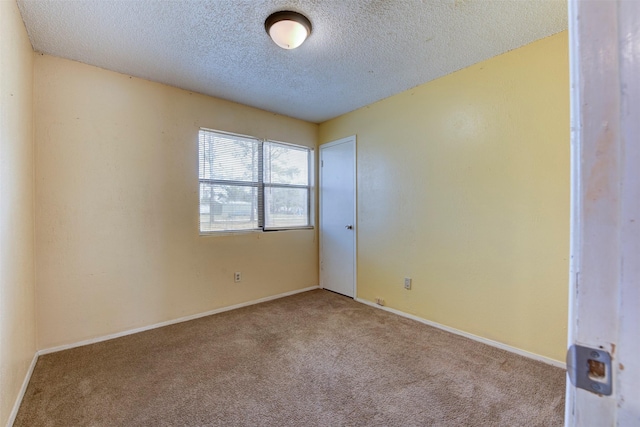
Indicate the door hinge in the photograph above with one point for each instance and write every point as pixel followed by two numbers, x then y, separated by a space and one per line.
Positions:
pixel 321 163
pixel 590 369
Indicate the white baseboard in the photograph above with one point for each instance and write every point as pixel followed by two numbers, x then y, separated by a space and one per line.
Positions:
pixel 172 322
pixel 23 389
pixel 468 335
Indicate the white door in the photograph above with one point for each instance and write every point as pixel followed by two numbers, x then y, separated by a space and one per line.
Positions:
pixel 604 320
pixel 338 216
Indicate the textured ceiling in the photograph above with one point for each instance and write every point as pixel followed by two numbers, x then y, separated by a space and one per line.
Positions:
pixel 360 51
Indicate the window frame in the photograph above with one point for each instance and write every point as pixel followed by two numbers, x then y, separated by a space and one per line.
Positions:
pixel 260 185
pixel 308 187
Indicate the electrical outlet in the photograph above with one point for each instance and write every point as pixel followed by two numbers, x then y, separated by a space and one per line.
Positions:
pixel 407 282
pixel 380 301
pixel 237 276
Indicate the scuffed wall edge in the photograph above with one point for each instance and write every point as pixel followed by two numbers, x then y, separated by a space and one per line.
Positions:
pixel 477 338
pixel 23 389
pixel 25 383
pixel 172 322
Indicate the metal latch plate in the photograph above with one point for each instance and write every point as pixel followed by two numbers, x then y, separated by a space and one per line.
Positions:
pixel 589 369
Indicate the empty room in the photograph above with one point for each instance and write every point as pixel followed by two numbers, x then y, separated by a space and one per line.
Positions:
pixel 285 213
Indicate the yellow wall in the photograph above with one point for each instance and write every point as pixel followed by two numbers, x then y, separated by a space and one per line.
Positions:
pixel 117 206
pixel 463 185
pixel 17 300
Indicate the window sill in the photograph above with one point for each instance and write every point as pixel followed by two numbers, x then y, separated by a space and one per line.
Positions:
pixel 255 231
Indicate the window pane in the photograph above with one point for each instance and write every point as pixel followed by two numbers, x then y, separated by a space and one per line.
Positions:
pixel 284 164
pixel 232 158
pixel 240 175
pixel 286 207
pixel 228 207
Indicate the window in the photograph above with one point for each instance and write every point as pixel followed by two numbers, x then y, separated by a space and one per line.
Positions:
pixel 250 184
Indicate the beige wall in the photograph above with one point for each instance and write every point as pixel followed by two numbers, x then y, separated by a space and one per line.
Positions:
pixel 17 301
pixel 117 206
pixel 463 185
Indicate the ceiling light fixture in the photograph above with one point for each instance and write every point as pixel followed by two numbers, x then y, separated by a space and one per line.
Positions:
pixel 288 29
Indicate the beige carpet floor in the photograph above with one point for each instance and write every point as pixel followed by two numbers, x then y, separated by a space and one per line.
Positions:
pixel 312 359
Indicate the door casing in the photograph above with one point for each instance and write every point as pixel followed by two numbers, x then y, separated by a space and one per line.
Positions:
pixel 352 140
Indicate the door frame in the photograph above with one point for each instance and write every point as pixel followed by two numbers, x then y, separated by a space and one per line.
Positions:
pixel 605 209
pixel 347 139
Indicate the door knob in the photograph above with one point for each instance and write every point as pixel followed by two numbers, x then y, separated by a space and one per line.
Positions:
pixel 349 227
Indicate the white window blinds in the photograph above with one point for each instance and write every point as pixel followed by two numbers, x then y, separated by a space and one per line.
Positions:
pixel 248 184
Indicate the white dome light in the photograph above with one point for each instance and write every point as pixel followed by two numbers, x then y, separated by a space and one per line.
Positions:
pixel 288 29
